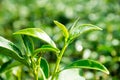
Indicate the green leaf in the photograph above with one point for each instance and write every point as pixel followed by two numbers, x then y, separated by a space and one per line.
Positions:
pixel 78 30
pixel 37 33
pixel 9 49
pixel 74 24
pixel 46 48
pixel 89 64
pixel 8 65
pixel 28 44
pixel 63 28
pixel 44 67
pixel 70 74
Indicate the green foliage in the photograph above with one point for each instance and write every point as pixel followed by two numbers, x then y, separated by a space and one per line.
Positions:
pixel 89 64
pixel 45 48
pixel 80 29
pixel 28 44
pixel 102 46
pixel 8 65
pixel 9 49
pixel 33 58
pixel 37 33
pixel 63 28
pixel 45 68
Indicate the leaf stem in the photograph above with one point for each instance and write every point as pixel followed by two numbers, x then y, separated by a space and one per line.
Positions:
pixel 58 60
pixel 19 73
pixel 35 67
pixel 35 74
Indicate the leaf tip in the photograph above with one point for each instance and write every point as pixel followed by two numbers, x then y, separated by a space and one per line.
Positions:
pixel 14 33
pixel 107 72
pixel 99 28
pixel 55 21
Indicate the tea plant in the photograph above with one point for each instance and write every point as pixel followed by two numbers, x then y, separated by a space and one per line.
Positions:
pixel 33 58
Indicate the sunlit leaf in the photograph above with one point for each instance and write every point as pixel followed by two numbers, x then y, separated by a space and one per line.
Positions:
pixel 28 44
pixel 46 48
pixel 44 67
pixel 63 28
pixel 37 33
pixel 8 65
pixel 80 29
pixel 70 74
pixel 9 49
pixel 89 64
pixel 74 24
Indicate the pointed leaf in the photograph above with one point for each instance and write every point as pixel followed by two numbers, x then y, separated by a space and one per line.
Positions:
pixel 78 30
pixel 37 33
pixel 74 24
pixel 28 44
pixel 8 65
pixel 63 28
pixel 9 49
pixel 46 48
pixel 89 64
pixel 44 67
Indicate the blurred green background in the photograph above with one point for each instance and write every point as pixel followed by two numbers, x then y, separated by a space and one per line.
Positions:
pixel 102 46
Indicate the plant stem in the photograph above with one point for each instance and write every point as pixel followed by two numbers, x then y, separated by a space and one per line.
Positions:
pixel 19 73
pixel 34 68
pixel 36 74
pixel 35 64
pixel 58 60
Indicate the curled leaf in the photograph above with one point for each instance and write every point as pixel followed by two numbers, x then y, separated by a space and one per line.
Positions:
pixel 37 33
pixel 63 28
pixel 9 49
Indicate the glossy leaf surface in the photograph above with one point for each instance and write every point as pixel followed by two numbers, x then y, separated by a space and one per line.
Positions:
pixel 44 67
pixel 9 49
pixel 46 48
pixel 63 28
pixel 78 30
pixel 28 44
pixel 89 64
pixel 74 24
pixel 70 74
pixel 37 33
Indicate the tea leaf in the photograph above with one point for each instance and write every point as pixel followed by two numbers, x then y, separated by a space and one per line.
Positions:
pixel 74 24
pixel 8 65
pixel 28 44
pixel 9 49
pixel 78 30
pixel 37 33
pixel 46 48
pixel 89 64
pixel 63 28
pixel 70 74
pixel 44 67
